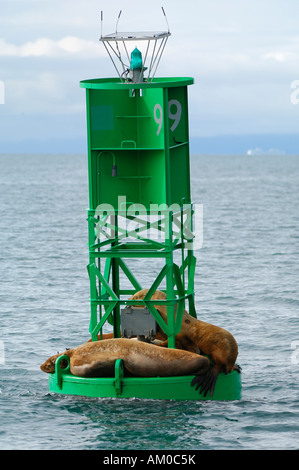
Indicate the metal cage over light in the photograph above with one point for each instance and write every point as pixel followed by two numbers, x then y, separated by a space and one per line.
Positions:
pixel 132 66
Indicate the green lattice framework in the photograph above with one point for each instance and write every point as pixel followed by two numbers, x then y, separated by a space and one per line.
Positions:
pixel 108 259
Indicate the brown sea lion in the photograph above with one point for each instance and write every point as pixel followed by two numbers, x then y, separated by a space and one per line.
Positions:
pixel 213 341
pixel 97 359
pixel 104 336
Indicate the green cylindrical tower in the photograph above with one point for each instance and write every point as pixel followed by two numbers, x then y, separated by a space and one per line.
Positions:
pixel 140 211
pixel 142 129
pixel 138 147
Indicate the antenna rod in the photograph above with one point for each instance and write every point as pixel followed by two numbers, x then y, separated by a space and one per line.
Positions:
pixel 101 23
pixel 165 18
pixel 118 20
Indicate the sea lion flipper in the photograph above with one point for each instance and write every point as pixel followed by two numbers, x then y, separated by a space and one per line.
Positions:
pixel 205 381
pixel 200 382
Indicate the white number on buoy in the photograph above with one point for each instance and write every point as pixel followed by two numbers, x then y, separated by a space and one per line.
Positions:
pixel 175 116
pixel 159 119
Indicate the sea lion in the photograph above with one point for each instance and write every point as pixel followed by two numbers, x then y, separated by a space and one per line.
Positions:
pixel 139 338
pixel 97 359
pixel 104 336
pixel 213 341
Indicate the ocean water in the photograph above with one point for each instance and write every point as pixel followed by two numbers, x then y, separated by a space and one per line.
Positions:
pixel 246 281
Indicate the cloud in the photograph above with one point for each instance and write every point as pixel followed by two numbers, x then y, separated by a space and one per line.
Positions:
pixel 45 93
pixel 280 56
pixel 243 56
pixel 46 47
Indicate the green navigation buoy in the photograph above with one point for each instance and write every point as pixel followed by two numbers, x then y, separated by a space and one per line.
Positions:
pixel 140 217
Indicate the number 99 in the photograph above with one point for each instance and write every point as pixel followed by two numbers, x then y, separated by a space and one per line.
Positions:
pixel 175 116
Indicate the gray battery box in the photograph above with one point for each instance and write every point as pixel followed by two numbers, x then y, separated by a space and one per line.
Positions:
pixel 138 322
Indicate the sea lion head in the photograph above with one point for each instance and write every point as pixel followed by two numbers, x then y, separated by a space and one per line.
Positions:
pixel 49 365
pixel 157 295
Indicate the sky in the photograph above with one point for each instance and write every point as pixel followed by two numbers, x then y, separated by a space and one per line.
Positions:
pixel 243 55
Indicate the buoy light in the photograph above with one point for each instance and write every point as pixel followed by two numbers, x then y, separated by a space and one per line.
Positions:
pixel 136 66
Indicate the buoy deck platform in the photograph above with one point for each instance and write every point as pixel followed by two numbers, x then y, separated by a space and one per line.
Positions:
pixel 228 386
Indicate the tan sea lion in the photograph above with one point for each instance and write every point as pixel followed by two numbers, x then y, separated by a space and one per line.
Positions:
pixel 97 359
pixel 213 341
pixel 104 336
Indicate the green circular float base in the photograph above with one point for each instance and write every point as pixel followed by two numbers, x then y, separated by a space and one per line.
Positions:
pixel 228 386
